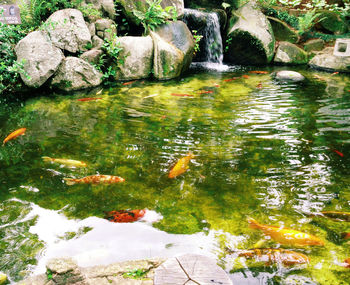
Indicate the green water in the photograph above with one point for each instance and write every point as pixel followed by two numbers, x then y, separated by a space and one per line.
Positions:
pixel 269 153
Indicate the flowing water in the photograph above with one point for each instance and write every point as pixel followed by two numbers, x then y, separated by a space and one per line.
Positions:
pixel 273 151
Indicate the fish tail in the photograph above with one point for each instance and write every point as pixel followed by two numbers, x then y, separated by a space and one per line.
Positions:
pixel 46 158
pixel 69 181
pixel 253 224
pixel 191 155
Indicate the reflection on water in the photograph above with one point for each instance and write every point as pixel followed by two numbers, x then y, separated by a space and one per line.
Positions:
pixel 276 152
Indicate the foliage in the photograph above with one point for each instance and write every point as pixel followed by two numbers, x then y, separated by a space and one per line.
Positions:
pixel 307 21
pixel 197 39
pixel 155 15
pixel 283 16
pixel 10 35
pixel 136 273
pixel 49 274
pixel 290 3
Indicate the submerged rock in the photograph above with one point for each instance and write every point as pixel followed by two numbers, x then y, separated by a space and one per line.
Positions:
pixel 173 50
pixel 327 61
pixel 282 31
pixel 288 53
pixel 41 58
pixel 67 30
pixel 75 74
pixel 287 75
pixel 136 58
pixel 250 38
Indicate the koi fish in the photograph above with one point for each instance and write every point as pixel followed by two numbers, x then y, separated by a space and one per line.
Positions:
pixel 14 134
pixel 341 216
pixel 67 162
pixel 258 72
pixel 181 95
pixel 347 262
pixel 95 179
pixel 334 73
pixel 205 92
pixel 230 79
pixel 286 236
pixel 338 152
pixel 245 76
pixel 216 85
pixel 345 235
pixel 273 255
pixel 125 216
pixel 181 166
pixel 88 99
pixel 259 86
pixel 128 83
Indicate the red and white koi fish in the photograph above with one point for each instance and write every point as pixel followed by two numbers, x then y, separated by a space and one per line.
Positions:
pixel 347 263
pixel 181 166
pixel 181 95
pixel 14 134
pixel 95 179
pixel 88 99
pixel 259 86
pixel 125 216
pixel 258 72
pixel 205 92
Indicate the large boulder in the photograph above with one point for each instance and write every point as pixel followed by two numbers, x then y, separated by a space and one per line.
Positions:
pixel 142 6
pixel 314 45
pixel 105 7
pixel 105 28
pixel 331 21
pixel 75 74
pixel 67 30
pixel 250 39
pixel 172 38
pixel 136 58
pixel 327 61
pixel 41 58
pixel 282 31
pixel 288 53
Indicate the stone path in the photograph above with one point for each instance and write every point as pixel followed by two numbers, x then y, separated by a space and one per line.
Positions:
pixel 186 269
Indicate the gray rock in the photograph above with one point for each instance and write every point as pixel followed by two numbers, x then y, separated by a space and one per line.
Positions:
pixel 176 39
pixel 287 75
pixel 97 42
pixel 103 6
pixel 41 58
pixel 61 265
pixel 137 58
pixel 67 30
pixel 288 53
pixel 92 55
pixel 329 62
pixel 106 28
pixel 92 29
pixel 75 74
pixel 250 37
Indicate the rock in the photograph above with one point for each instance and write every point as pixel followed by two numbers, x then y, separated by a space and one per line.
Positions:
pixel 282 31
pixel 250 38
pixel 75 74
pixel 314 45
pixel 92 29
pixel 41 57
pixel 136 57
pixel 64 271
pixel 106 28
pixel 68 30
pixel 105 7
pixel 92 56
pixel 178 35
pixel 142 6
pixel 327 61
pixel 97 42
pixel 3 278
pixel 289 53
pixel 332 22
pixel 287 75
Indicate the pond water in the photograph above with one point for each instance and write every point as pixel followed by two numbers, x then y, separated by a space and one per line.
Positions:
pixel 273 151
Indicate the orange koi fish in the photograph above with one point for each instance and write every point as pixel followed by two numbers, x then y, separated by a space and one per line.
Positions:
pixel 340 216
pixel 88 99
pixel 205 92
pixel 258 72
pixel 345 235
pixel 347 262
pixel 181 95
pixel 245 76
pixel 95 179
pixel 334 73
pixel 14 134
pixel 216 85
pixel 286 236
pixel 181 166
pixel 125 216
pixel 128 83
pixel 273 255
pixel 230 79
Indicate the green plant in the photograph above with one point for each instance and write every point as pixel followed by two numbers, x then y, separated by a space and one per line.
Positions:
pixel 290 3
pixel 307 21
pixel 49 274
pixel 136 273
pixel 155 15
pixel 197 39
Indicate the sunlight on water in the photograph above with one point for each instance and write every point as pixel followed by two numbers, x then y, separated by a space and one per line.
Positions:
pixel 276 152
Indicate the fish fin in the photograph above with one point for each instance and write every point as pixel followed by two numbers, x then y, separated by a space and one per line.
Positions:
pixel 46 158
pixel 253 223
pixel 69 181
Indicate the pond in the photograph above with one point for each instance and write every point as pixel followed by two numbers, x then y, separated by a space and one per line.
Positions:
pixel 274 151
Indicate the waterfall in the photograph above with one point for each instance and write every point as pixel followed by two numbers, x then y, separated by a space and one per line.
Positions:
pixel 208 26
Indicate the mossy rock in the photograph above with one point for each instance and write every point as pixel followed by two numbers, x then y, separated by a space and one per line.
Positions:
pixel 314 45
pixel 288 53
pixel 282 31
pixel 332 22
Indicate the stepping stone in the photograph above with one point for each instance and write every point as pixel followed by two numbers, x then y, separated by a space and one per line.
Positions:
pixel 191 269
